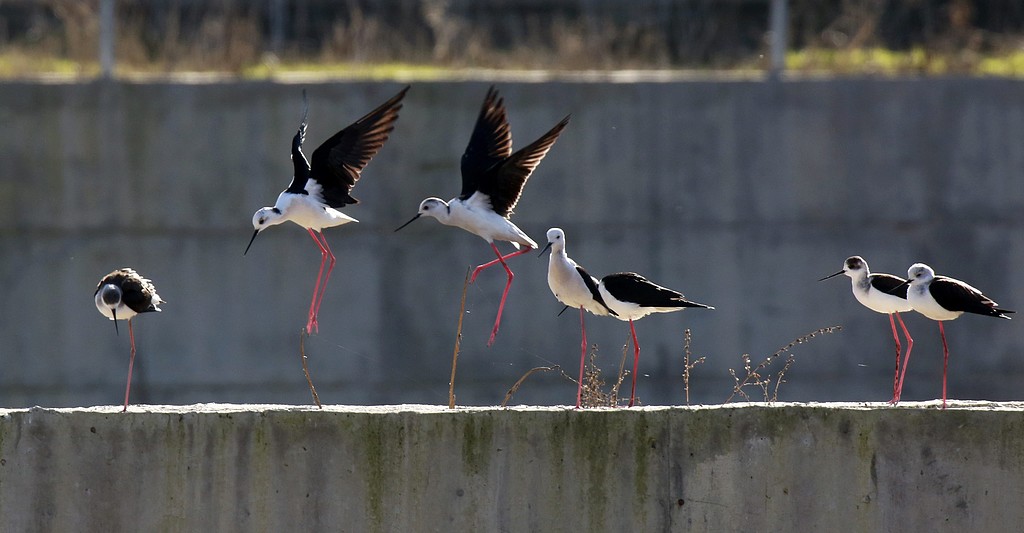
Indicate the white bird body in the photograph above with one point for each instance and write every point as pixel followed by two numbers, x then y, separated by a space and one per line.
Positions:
pixel 627 311
pixel 476 216
pixel 566 278
pixel 943 298
pixel 874 299
pixel 881 293
pixel 306 210
pixel 923 302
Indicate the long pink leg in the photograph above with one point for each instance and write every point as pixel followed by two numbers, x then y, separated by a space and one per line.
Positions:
pixel 327 276
pixel 636 361
pixel 311 324
pixel 896 377
pixel 945 362
pixel 906 357
pixel 131 363
pixel 583 356
pixel 508 284
pixel 501 259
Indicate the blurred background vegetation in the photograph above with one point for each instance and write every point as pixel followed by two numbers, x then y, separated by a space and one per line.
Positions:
pixel 260 38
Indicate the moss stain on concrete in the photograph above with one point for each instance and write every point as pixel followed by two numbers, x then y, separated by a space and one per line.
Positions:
pixel 594 450
pixel 477 442
pixel 375 454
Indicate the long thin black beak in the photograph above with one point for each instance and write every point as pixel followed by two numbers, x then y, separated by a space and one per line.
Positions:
pixel 898 287
pixel 114 312
pixel 563 309
pixel 254 234
pixel 832 276
pixel 411 220
pixel 542 253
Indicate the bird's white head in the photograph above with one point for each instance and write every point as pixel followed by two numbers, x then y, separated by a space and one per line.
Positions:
pixel 920 273
pixel 431 207
pixel 261 220
pixel 556 240
pixel 855 267
pixel 108 298
pixel 266 217
pixel 434 207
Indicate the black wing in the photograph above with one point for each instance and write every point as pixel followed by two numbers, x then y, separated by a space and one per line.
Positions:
pixel 137 292
pixel 490 144
pixel 634 288
pixel 337 162
pixel 504 184
pixel 592 285
pixel 890 284
pixel 301 172
pixel 956 295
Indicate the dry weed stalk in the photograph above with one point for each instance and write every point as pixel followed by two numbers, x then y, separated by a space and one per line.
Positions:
pixel 623 372
pixel 687 364
pixel 512 390
pixel 305 369
pixel 458 342
pixel 754 376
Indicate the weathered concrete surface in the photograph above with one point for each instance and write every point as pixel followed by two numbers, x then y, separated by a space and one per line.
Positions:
pixel 742 194
pixel 789 467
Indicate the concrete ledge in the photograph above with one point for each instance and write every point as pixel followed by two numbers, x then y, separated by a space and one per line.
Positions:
pixel 741 467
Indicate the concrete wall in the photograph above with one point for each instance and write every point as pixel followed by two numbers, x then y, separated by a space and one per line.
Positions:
pixel 741 194
pixel 414 468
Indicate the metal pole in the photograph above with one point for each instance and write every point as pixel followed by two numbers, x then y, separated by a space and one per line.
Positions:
pixel 107 38
pixel 278 13
pixel 778 26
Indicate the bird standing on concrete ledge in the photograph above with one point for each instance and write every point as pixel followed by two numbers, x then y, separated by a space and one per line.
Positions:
pixel 882 293
pixel 574 287
pixel 940 298
pixel 121 295
pixel 632 297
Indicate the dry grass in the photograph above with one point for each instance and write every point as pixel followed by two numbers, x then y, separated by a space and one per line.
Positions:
pixel 757 376
pixel 596 392
pixel 688 362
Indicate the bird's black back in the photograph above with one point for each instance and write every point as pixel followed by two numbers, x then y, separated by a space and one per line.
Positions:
pixel 592 286
pixel 137 293
pixel 889 284
pixel 632 287
pixel 955 295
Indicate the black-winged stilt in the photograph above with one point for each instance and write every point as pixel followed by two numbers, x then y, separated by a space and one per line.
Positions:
pixel 319 188
pixel 882 293
pixel 633 297
pixel 492 182
pixel 121 295
pixel 574 287
pixel 941 298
